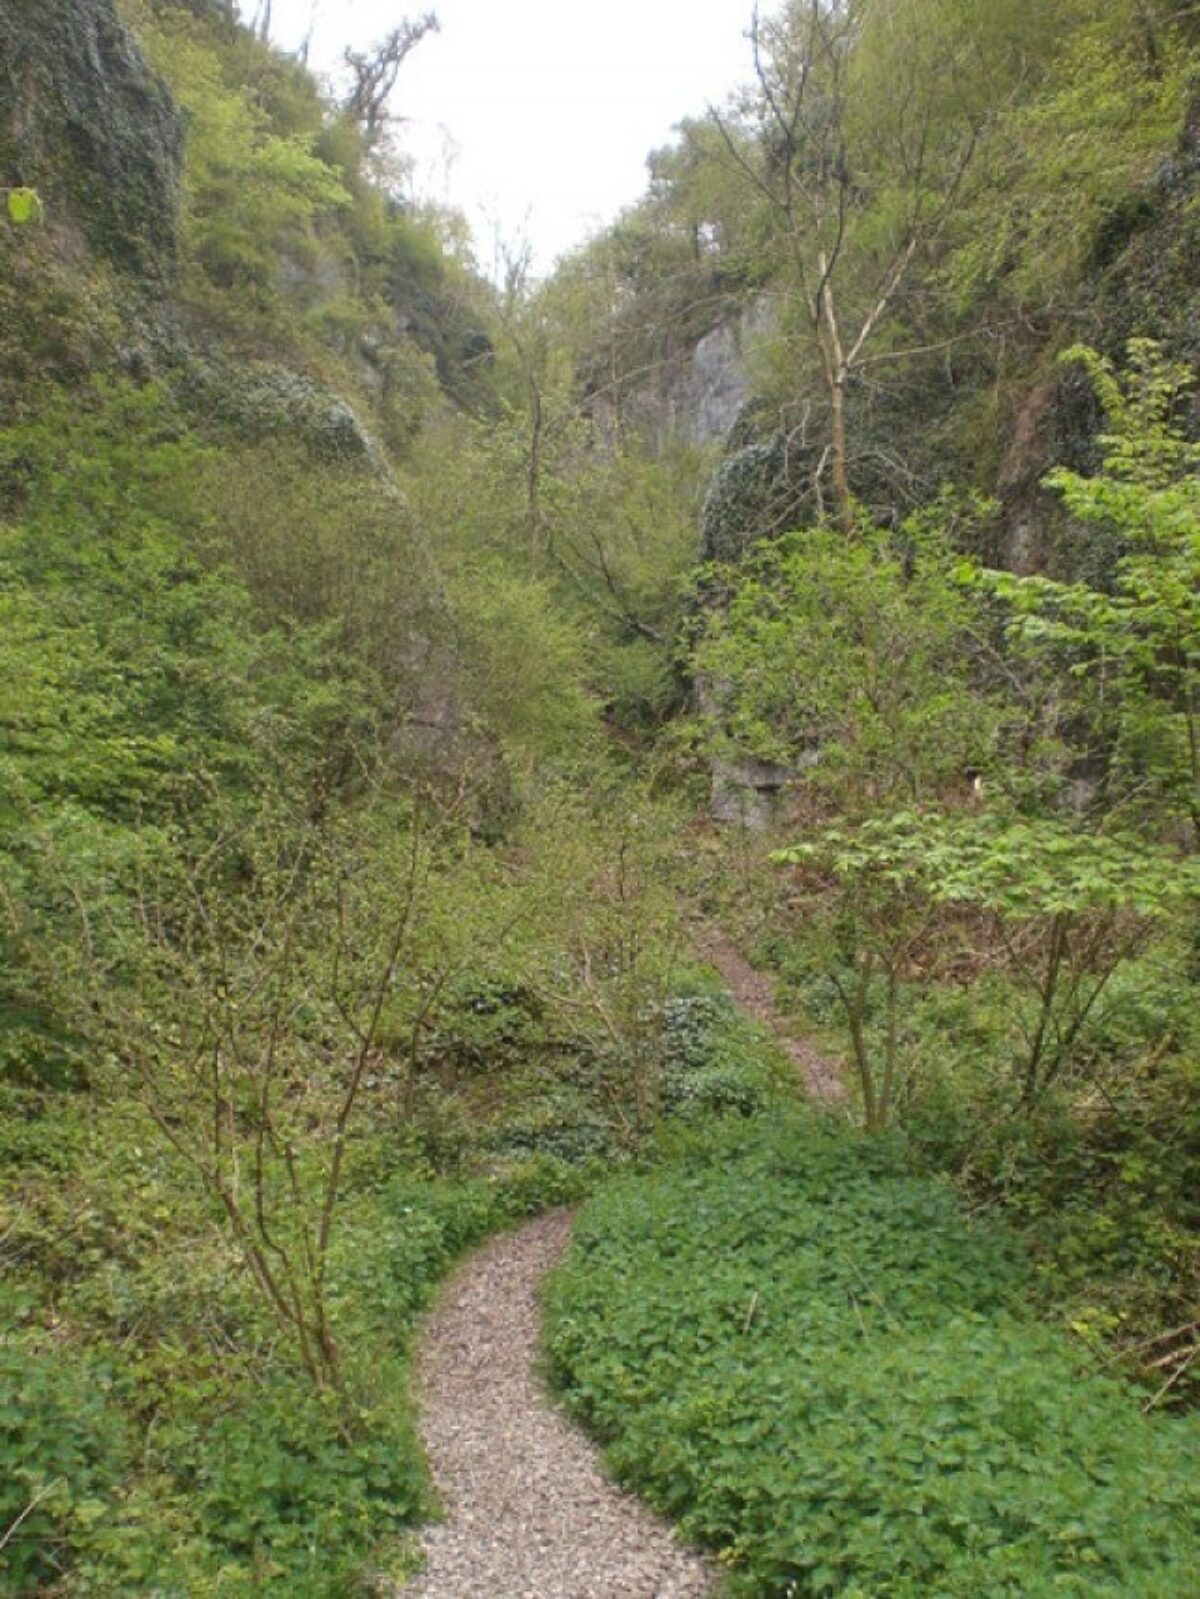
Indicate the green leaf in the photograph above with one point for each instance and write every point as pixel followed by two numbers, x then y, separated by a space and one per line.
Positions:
pixel 25 207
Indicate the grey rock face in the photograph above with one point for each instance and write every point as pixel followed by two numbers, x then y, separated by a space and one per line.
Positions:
pixel 706 398
pixel 698 392
pixel 746 793
pixel 85 121
pixel 707 401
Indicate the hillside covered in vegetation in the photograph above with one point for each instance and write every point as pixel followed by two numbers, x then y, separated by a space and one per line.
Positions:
pixel 378 647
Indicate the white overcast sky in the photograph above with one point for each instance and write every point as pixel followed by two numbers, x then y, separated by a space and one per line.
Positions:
pixel 535 117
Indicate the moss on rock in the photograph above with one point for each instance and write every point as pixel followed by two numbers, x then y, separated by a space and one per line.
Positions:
pixel 85 121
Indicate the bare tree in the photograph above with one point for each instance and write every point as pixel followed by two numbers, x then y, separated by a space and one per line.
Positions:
pixel 525 328
pixel 306 43
pixel 261 26
pixel 264 986
pixel 808 163
pixel 375 73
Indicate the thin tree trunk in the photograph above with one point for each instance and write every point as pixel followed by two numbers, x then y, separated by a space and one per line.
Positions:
pixel 889 1057
pixel 1049 992
pixel 854 1003
pixel 836 372
pixel 535 480
pixel 838 466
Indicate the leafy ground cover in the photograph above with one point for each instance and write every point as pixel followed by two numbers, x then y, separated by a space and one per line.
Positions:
pixel 153 1437
pixel 156 1434
pixel 812 1359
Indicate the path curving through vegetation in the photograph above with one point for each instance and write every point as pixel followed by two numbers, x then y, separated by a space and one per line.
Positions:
pixel 530 1513
pixel 754 994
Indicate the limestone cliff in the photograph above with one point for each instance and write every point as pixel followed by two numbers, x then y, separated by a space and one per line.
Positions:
pixel 87 122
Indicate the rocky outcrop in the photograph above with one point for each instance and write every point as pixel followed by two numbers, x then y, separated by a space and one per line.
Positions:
pixel 85 121
pixel 693 392
pixel 704 396
pixel 924 426
pixel 257 400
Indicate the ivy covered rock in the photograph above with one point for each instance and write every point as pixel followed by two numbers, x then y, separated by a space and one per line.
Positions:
pixel 745 499
pixel 85 121
pixel 262 401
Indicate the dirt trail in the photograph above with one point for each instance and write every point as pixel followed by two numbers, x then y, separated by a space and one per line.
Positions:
pixel 754 992
pixel 530 1513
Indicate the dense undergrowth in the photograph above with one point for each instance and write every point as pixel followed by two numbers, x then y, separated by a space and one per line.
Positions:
pixel 152 1437
pixel 347 608
pixel 810 1357
pixel 1101 1184
pixel 156 1434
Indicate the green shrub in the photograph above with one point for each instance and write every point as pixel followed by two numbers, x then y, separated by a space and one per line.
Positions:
pixel 243 1479
pixel 713 1061
pixel 561 1126
pixel 290 1497
pixel 63 1452
pixel 812 1360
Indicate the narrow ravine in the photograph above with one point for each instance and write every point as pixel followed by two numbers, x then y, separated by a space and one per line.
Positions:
pixel 530 1513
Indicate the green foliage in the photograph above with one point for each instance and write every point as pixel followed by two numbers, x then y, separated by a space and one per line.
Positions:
pixel 612 534
pixel 63 1451
pixel 253 185
pixel 331 1035
pixel 122 655
pixel 1030 154
pixel 329 553
pixel 25 207
pixel 1069 909
pixel 136 686
pixel 851 658
pixel 713 1062
pixel 1103 1181
pixel 1073 160
pixel 1017 868
pixel 816 1364
pixel 131 1320
pixel 526 663
pixel 1127 656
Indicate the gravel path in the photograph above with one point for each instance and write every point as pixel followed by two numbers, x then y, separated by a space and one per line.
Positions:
pixel 530 1513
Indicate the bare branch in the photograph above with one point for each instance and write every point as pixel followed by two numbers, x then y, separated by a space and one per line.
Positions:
pixel 375 74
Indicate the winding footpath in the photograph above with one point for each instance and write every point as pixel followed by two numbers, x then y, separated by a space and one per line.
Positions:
pixel 754 994
pixel 530 1513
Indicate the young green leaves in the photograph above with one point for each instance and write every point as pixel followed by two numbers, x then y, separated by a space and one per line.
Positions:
pixel 24 207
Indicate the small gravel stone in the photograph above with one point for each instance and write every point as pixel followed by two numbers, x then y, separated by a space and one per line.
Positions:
pixel 530 1513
